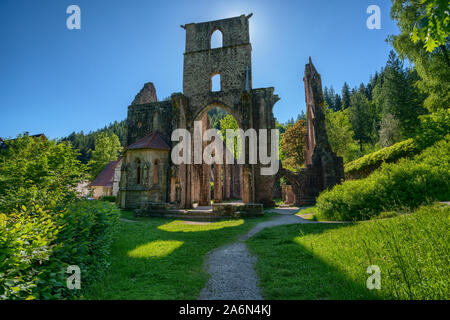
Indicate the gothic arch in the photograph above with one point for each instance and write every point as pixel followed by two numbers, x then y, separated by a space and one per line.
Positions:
pixel 213 32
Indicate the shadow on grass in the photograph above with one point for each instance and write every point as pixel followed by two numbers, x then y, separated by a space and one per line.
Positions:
pixel 159 258
pixel 290 266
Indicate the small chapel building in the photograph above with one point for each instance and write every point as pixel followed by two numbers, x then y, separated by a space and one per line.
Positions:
pixel 144 172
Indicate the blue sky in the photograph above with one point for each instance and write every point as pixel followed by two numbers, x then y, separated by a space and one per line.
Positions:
pixel 56 81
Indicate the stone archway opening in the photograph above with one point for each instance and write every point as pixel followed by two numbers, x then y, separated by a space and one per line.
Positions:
pixel 216 39
pixel 217 183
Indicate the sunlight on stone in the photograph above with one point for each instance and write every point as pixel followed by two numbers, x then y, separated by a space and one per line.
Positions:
pixel 155 249
pixel 188 226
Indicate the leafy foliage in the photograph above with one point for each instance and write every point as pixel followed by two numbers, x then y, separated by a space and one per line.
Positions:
pixel 108 198
pixel 408 183
pixel 363 166
pixel 293 146
pixel 38 171
pixel 431 128
pixel 36 246
pixel 107 148
pixel 230 123
pixel 85 143
pixel 430 19
pixel 214 116
pixel 340 134
pixel 433 26
pixel 27 240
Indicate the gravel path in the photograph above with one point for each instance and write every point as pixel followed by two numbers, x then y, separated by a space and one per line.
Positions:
pixel 231 267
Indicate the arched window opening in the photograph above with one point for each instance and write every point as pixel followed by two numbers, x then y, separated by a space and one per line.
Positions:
pixel 215 83
pixel 138 171
pixel 156 172
pixel 216 39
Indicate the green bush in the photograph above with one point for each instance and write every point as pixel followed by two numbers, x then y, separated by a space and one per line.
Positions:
pixel 407 184
pixel 81 235
pixel 363 166
pixel 108 198
pixel 27 240
pixel 433 127
pixel 38 171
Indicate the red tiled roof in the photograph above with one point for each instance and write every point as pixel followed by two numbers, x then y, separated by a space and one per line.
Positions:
pixel 150 141
pixel 105 177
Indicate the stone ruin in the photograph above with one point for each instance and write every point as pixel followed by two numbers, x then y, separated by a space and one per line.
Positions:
pixel 324 168
pixel 149 178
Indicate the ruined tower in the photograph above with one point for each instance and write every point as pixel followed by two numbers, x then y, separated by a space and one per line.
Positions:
pixel 232 61
pixel 324 168
pixel 252 108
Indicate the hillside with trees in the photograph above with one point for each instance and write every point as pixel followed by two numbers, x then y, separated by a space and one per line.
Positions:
pixel 85 143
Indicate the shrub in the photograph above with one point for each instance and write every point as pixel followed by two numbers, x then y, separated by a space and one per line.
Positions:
pixel 81 235
pixel 108 198
pixel 433 127
pixel 365 165
pixel 27 240
pixel 38 171
pixel 408 183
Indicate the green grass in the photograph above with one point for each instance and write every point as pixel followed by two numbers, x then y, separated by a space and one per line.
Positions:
pixel 157 258
pixel 278 201
pixel 329 261
pixel 308 213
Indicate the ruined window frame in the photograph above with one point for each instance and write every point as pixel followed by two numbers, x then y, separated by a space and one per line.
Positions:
pixel 213 31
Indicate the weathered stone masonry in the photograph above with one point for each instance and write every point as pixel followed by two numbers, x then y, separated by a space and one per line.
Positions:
pixel 252 108
pixel 323 168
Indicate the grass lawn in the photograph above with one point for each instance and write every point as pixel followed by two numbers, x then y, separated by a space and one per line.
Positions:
pixel 157 258
pixel 329 261
pixel 308 213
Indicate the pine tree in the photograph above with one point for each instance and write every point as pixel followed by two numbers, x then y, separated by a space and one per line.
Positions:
pixel 337 103
pixel 345 96
pixel 361 118
pixel 328 97
pixel 398 95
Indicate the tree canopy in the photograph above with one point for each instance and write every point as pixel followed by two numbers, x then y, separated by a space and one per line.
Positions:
pixel 38 171
pixel 107 148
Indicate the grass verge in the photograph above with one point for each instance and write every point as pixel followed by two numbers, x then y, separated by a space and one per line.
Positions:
pixel 330 261
pixel 157 258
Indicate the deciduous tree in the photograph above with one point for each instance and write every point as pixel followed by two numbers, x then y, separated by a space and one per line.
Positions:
pixel 107 148
pixel 293 146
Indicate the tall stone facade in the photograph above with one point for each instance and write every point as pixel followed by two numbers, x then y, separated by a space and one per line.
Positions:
pixel 252 108
pixel 324 168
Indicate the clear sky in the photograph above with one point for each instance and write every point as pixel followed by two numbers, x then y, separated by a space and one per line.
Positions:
pixel 56 81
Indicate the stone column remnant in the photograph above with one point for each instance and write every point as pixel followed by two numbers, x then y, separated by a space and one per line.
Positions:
pixel 324 168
